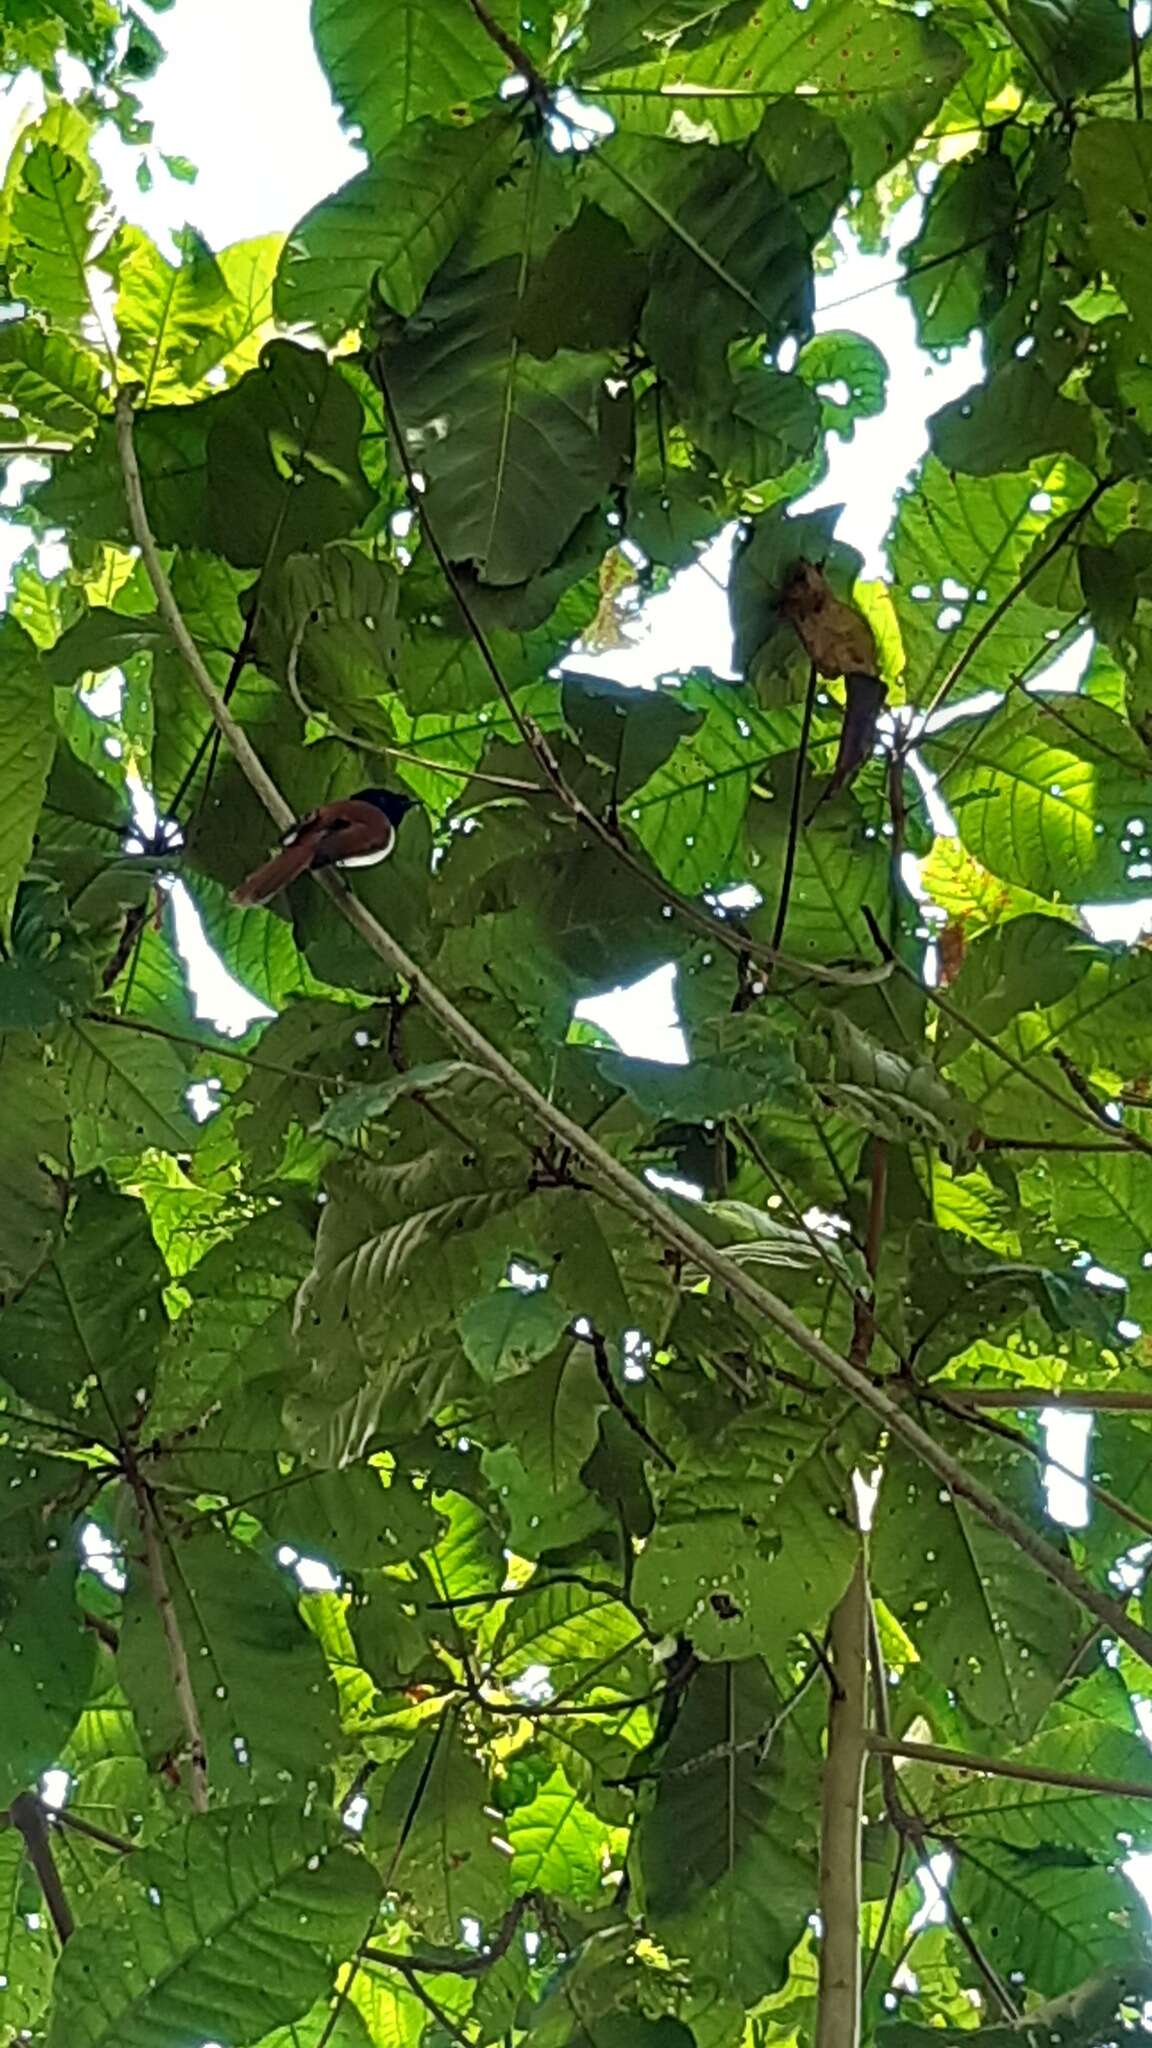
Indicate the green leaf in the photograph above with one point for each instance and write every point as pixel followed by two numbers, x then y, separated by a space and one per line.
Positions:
pixel 956 269
pixel 433 1837
pixel 166 312
pixel 632 732
pixel 958 548
pixel 391 61
pixel 34 1161
pixel 124 1093
pixel 558 1845
pixel 517 457
pixel 506 1332
pixel 90 1322
pixel 54 383
pixel 1073 46
pixel 389 229
pixel 848 375
pixel 166 1940
pixel 742 1568
pixel 46 1665
pixel 878 71
pixel 54 219
pixel 1007 422
pixel 1112 164
pixel 988 1625
pixel 266 1703
pixel 727 1854
pixel 1042 794
pixel 27 744
pixel 689 815
pixel 283 459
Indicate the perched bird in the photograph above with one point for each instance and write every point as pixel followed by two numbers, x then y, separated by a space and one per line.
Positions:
pixel 838 641
pixel 354 832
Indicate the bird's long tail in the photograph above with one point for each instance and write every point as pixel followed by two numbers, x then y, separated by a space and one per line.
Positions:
pixel 283 868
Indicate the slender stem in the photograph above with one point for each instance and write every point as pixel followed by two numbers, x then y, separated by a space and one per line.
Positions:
pixel 179 1669
pixel 73 1824
pixel 1003 1767
pixel 30 1820
pixel 838 1995
pixel 10 449
pixel 635 1196
pixel 1136 43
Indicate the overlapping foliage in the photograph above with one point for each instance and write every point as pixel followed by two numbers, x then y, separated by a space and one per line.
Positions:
pixel 329 1292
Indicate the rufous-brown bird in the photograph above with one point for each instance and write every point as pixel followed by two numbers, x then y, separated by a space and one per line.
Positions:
pixel 356 831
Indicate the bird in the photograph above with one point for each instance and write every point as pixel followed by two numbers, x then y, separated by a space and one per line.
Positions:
pixel 355 831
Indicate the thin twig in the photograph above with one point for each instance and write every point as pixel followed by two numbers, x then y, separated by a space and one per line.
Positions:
pixel 31 1822
pixel 72 1823
pixel 634 1195
pixel 616 1398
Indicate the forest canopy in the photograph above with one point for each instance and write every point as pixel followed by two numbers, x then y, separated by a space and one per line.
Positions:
pixel 502 1540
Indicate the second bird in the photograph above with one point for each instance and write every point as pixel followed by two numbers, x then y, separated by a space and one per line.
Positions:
pixel 355 831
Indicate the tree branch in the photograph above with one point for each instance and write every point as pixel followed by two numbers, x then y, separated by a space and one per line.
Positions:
pixel 30 1820
pixel 1003 1767
pixel 635 1196
pixel 838 1995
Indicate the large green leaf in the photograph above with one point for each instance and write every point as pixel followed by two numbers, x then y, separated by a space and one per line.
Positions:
pixel 266 1705
pixel 513 447
pixel 34 1160
pixel 54 221
pixel 656 66
pixel 743 1573
pixel 433 1839
pixel 727 1854
pixel 168 1939
pixel 959 548
pixel 988 1626
pixel 27 744
pixel 46 1666
pixel 389 230
pixel 391 61
pixel 90 1322
pixel 1043 793
pixel 54 383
